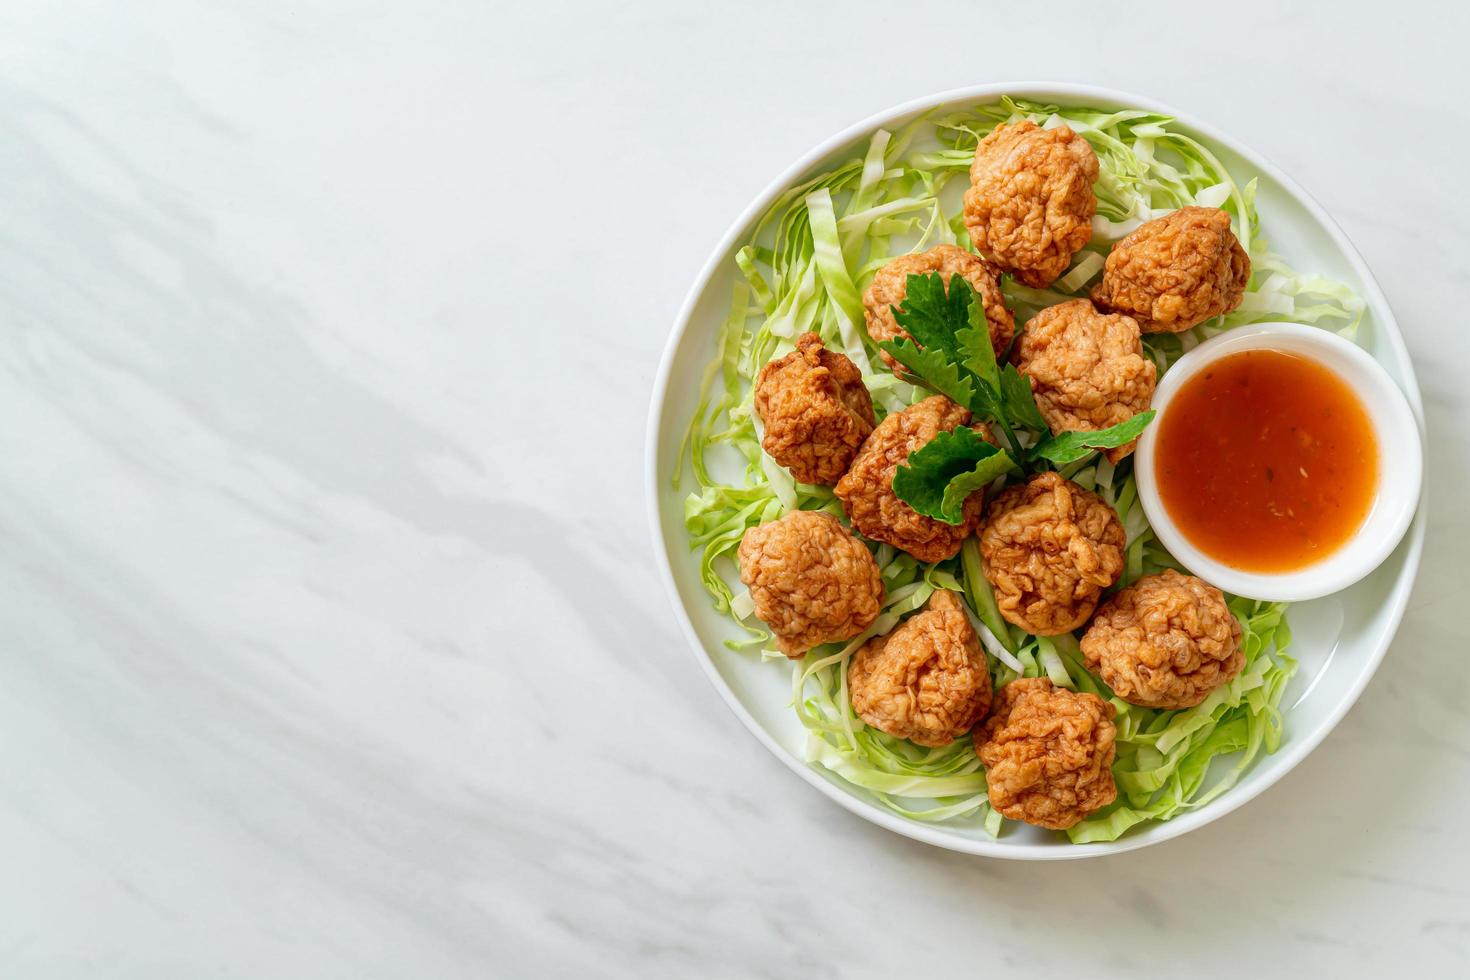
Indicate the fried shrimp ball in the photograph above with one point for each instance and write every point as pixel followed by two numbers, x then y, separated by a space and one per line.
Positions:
pixel 1030 202
pixel 1048 753
pixel 1050 548
pixel 812 581
pixel 1087 369
pixel 866 491
pixel 1166 641
pixel 927 680
pixel 815 410
pixel 1176 271
pixel 890 285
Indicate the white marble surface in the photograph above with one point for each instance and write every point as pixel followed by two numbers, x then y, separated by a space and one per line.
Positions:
pixel 330 644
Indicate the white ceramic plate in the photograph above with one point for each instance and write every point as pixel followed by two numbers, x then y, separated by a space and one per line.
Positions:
pixel 1339 640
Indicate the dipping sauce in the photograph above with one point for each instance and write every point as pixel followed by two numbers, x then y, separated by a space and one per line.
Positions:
pixel 1266 461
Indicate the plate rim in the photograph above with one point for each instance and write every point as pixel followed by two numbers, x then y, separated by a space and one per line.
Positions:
pixel 1160 832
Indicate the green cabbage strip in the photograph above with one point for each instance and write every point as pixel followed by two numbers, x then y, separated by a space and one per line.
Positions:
pixel 804 268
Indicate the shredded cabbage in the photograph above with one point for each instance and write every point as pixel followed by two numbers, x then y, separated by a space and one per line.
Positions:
pixel 803 269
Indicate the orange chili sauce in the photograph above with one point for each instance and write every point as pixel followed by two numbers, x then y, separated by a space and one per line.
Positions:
pixel 1266 461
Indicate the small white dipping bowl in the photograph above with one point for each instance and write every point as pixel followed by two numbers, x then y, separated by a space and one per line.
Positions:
pixel 1400 464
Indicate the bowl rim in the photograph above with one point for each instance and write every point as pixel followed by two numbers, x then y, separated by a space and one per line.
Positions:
pixel 1291 754
pixel 1399 486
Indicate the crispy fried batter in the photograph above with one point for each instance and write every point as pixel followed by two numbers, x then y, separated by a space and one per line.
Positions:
pixel 1048 753
pixel 1050 548
pixel 815 409
pixel 1087 369
pixel 1166 641
pixel 927 680
pixel 867 493
pixel 812 581
pixel 890 285
pixel 1176 271
pixel 1030 202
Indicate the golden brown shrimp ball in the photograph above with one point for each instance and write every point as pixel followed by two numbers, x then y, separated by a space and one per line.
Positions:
pixel 1048 753
pixel 1030 203
pixel 1166 641
pixel 890 286
pixel 815 409
pixel 866 491
pixel 812 581
pixel 927 680
pixel 1087 369
pixel 1175 272
pixel 1050 549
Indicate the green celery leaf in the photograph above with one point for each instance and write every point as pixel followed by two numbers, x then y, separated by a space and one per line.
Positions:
pixel 941 474
pixel 971 481
pixel 932 316
pixel 933 368
pixel 1068 447
pixel 973 340
pixel 1020 405
pixel 985 404
pixel 954 335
